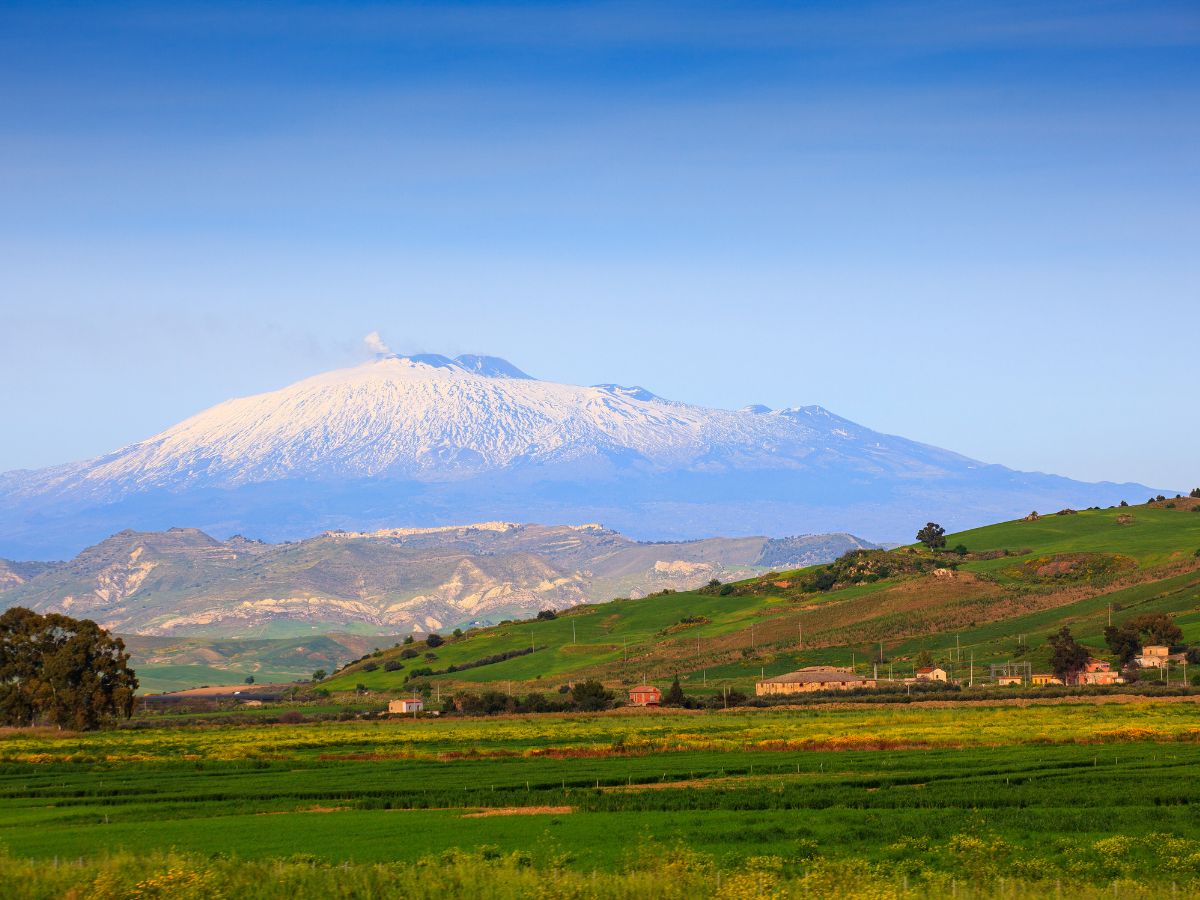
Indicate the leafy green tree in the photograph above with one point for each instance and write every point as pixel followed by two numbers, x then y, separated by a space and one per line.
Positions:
pixel 1195 493
pixel 932 536
pixel 1123 642
pixel 960 549
pixel 547 614
pixel 320 675
pixel 434 640
pixel 674 696
pixel 822 580
pixel 62 671
pixel 924 660
pixel 458 632
pixel 1127 639
pixel 249 679
pixel 590 696
pixel 1067 656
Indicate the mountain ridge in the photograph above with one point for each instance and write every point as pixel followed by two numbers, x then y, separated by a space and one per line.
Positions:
pixel 474 438
pixel 183 582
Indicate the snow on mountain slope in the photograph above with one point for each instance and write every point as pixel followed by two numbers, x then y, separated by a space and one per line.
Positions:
pixel 430 418
pixel 429 440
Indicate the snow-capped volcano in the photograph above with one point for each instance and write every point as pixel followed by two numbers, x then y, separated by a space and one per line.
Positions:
pixel 420 440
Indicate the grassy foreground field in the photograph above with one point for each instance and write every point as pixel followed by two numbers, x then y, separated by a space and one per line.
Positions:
pixel 1010 799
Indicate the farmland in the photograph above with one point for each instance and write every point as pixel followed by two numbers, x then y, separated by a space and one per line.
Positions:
pixel 1018 582
pixel 923 797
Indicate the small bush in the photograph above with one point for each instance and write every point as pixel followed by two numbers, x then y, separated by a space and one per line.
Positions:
pixel 392 665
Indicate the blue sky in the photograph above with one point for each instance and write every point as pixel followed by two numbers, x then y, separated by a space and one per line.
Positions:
pixel 976 225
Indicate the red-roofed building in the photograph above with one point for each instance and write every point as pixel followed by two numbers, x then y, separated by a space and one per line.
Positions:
pixel 1097 671
pixel 645 695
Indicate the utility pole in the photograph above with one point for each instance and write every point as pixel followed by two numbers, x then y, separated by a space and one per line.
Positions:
pixel 957 650
pixel 800 625
pixel 972 682
pixel 1110 614
pixel 572 631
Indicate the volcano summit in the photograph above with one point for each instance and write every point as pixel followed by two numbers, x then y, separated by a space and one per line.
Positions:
pixel 428 440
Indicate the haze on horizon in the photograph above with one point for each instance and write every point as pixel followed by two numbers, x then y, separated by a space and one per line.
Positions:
pixel 974 227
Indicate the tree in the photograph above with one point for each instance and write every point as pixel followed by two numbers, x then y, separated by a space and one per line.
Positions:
pixel 392 665
pixel 1157 628
pixel 924 660
pixel 320 675
pixel 409 639
pixel 1127 639
pixel 249 679
pixel 1067 656
pixel 1123 642
pixel 1195 493
pixel 458 632
pixel 932 536
pixel 63 671
pixel 434 640
pixel 822 580
pixel 961 549
pixel 547 614
pixel 674 695
pixel 591 696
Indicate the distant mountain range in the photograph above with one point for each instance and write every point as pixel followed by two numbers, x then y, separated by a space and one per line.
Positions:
pixel 182 582
pixel 428 440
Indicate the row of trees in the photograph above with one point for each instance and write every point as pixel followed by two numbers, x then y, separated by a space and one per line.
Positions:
pixel 55 670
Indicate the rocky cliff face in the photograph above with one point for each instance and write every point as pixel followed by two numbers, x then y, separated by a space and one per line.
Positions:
pixel 185 582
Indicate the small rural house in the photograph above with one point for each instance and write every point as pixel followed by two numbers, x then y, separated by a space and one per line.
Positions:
pixel 406 705
pixel 814 678
pixel 931 673
pixel 645 695
pixel 1045 680
pixel 1097 671
pixel 1009 680
pixel 1154 655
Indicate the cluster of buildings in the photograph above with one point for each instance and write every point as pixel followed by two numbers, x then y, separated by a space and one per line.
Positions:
pixel 834 678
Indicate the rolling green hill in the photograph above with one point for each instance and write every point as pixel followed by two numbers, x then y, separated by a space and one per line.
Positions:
pixel 1017 582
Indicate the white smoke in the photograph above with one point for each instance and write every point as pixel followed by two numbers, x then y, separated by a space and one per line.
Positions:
pixel 376 345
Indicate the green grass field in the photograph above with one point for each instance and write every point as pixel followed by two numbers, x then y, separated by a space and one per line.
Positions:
pixel 924 796
pixel 770 626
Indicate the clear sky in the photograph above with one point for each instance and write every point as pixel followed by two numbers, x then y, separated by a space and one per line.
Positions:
pixel 976 225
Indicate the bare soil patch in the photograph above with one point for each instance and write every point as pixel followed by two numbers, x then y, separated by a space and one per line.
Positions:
pixel 519 811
